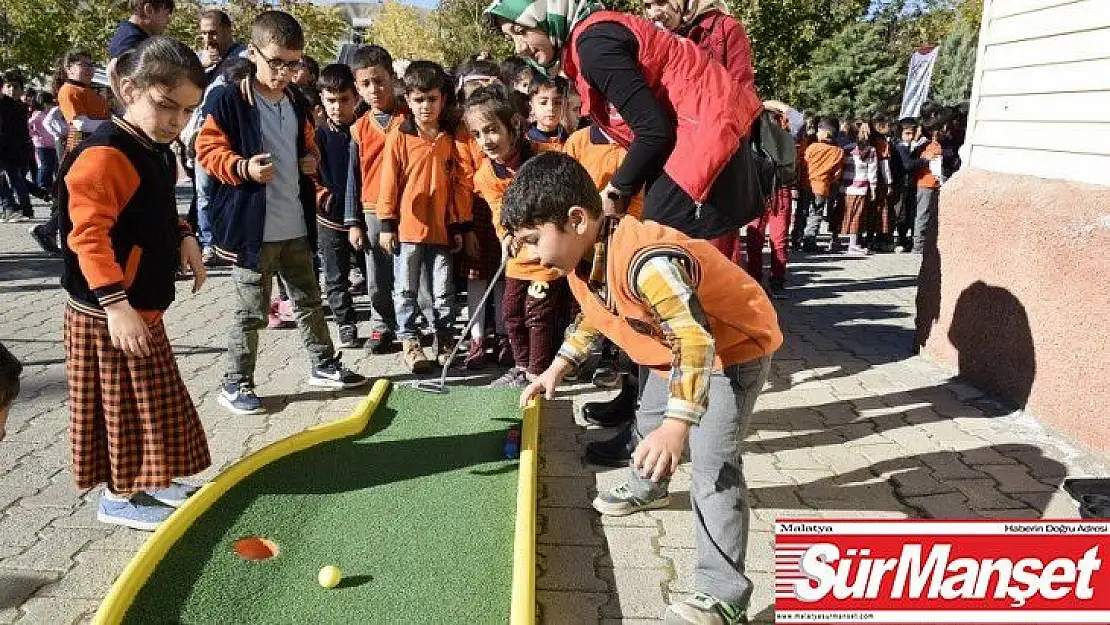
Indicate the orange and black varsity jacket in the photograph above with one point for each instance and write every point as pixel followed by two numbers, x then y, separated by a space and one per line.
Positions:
pixel 121 234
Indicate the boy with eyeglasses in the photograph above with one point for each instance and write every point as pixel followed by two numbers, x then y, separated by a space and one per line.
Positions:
pixel 258 142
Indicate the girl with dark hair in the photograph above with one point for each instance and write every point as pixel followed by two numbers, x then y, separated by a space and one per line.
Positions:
pixel 133 425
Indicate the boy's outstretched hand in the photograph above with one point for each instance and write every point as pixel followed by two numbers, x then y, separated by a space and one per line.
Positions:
pixel 547 382
pixel 659 454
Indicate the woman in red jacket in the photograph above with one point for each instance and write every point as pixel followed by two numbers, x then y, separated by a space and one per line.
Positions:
pixel 683 118
pixel 721 36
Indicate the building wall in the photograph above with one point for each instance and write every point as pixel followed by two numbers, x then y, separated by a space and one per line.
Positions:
pixel 1017 293
pixel 1041 101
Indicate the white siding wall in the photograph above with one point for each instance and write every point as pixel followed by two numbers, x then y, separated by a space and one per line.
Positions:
pixel 1040 105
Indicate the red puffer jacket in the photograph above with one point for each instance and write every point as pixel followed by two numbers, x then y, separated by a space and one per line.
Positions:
pixel 713 111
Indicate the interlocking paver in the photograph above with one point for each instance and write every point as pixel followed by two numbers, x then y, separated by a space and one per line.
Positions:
pixel 850 425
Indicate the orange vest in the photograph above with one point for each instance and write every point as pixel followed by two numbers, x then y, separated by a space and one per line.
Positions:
pixel 741 318
pixel 370 137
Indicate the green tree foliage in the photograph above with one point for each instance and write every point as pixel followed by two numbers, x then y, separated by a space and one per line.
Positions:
pixel 460 32
pixel 955 69
pixel 786 33
pixel 853 73
pixel 406 32
pixel 34 34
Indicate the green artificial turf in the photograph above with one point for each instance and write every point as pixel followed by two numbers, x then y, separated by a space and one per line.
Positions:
pixel 418 513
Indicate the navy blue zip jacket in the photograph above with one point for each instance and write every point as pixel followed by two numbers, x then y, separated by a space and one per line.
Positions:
pixel 231 134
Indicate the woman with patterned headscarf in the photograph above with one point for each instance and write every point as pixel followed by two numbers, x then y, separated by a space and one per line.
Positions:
pixel 685 121
pixel 683 118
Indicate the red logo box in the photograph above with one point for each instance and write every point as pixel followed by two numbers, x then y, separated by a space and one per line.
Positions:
pixel 931 571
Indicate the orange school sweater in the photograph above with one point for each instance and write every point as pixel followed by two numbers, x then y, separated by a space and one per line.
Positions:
pixel 601 157
pixel 824 162
pixel 491 185
pixel 370 137
pixel 425 185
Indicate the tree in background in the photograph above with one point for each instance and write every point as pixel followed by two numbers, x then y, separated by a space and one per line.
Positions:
pixel 461 34
pixel 955 69
pixel 406 32
pixel 34 34
pixel 853 73
pixel 785 34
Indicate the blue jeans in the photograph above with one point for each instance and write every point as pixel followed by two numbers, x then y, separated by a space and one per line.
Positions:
pixel 205 186
pixel 14 196
pixel 48 168
pixel 416 262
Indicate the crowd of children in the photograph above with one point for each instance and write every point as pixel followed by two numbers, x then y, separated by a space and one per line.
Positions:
pixel 876 182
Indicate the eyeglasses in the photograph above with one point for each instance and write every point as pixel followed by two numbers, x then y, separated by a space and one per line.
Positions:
pixel 278 66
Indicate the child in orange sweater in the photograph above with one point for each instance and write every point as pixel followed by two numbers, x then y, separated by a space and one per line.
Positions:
pixel 536 297
pixel 704 327
pixel 424 207
pixel 823 162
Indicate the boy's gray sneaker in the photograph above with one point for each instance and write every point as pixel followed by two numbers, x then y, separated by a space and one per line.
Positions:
pixel 703 609
pixel 621 502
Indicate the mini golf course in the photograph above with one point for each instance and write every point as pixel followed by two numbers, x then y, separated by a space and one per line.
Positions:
pixel 411 497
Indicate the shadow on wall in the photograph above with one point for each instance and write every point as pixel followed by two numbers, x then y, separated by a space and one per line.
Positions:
pixel 990 330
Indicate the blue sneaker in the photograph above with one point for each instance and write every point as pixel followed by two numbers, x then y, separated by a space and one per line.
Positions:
pixel 175 494
pixel 240 398
pixel 333 374
pixel 139 513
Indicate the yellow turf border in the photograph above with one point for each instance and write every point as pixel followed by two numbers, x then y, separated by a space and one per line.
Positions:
pixel 123 591
pixel 523 606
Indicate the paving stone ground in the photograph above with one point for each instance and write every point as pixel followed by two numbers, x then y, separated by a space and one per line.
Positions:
pixel 850 425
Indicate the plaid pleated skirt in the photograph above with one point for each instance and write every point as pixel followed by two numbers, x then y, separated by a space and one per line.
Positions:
pixel 856 214
pixel 133 425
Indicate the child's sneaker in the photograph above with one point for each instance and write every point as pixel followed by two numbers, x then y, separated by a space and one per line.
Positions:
pixel 380 341
pixel 475 355
pixel 621 502
pixel 703 609
pixel 48 243
pixel 175 495
pixel 348 336
pixel 240 398
pixel 274 319
pixel 513 378
pixel 333 374
pixel 286 312
pixel 858 250
pixel 415 357
pixel 138 512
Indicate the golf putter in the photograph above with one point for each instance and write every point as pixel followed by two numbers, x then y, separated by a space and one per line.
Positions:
pixel 439 387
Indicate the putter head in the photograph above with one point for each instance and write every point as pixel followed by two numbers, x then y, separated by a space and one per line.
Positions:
pixel 430 386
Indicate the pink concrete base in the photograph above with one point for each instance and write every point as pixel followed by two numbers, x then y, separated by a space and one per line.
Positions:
pixel 1023 282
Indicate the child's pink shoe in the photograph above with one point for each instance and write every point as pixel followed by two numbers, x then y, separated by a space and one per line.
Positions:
pixel 285 311
pixel 274 317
